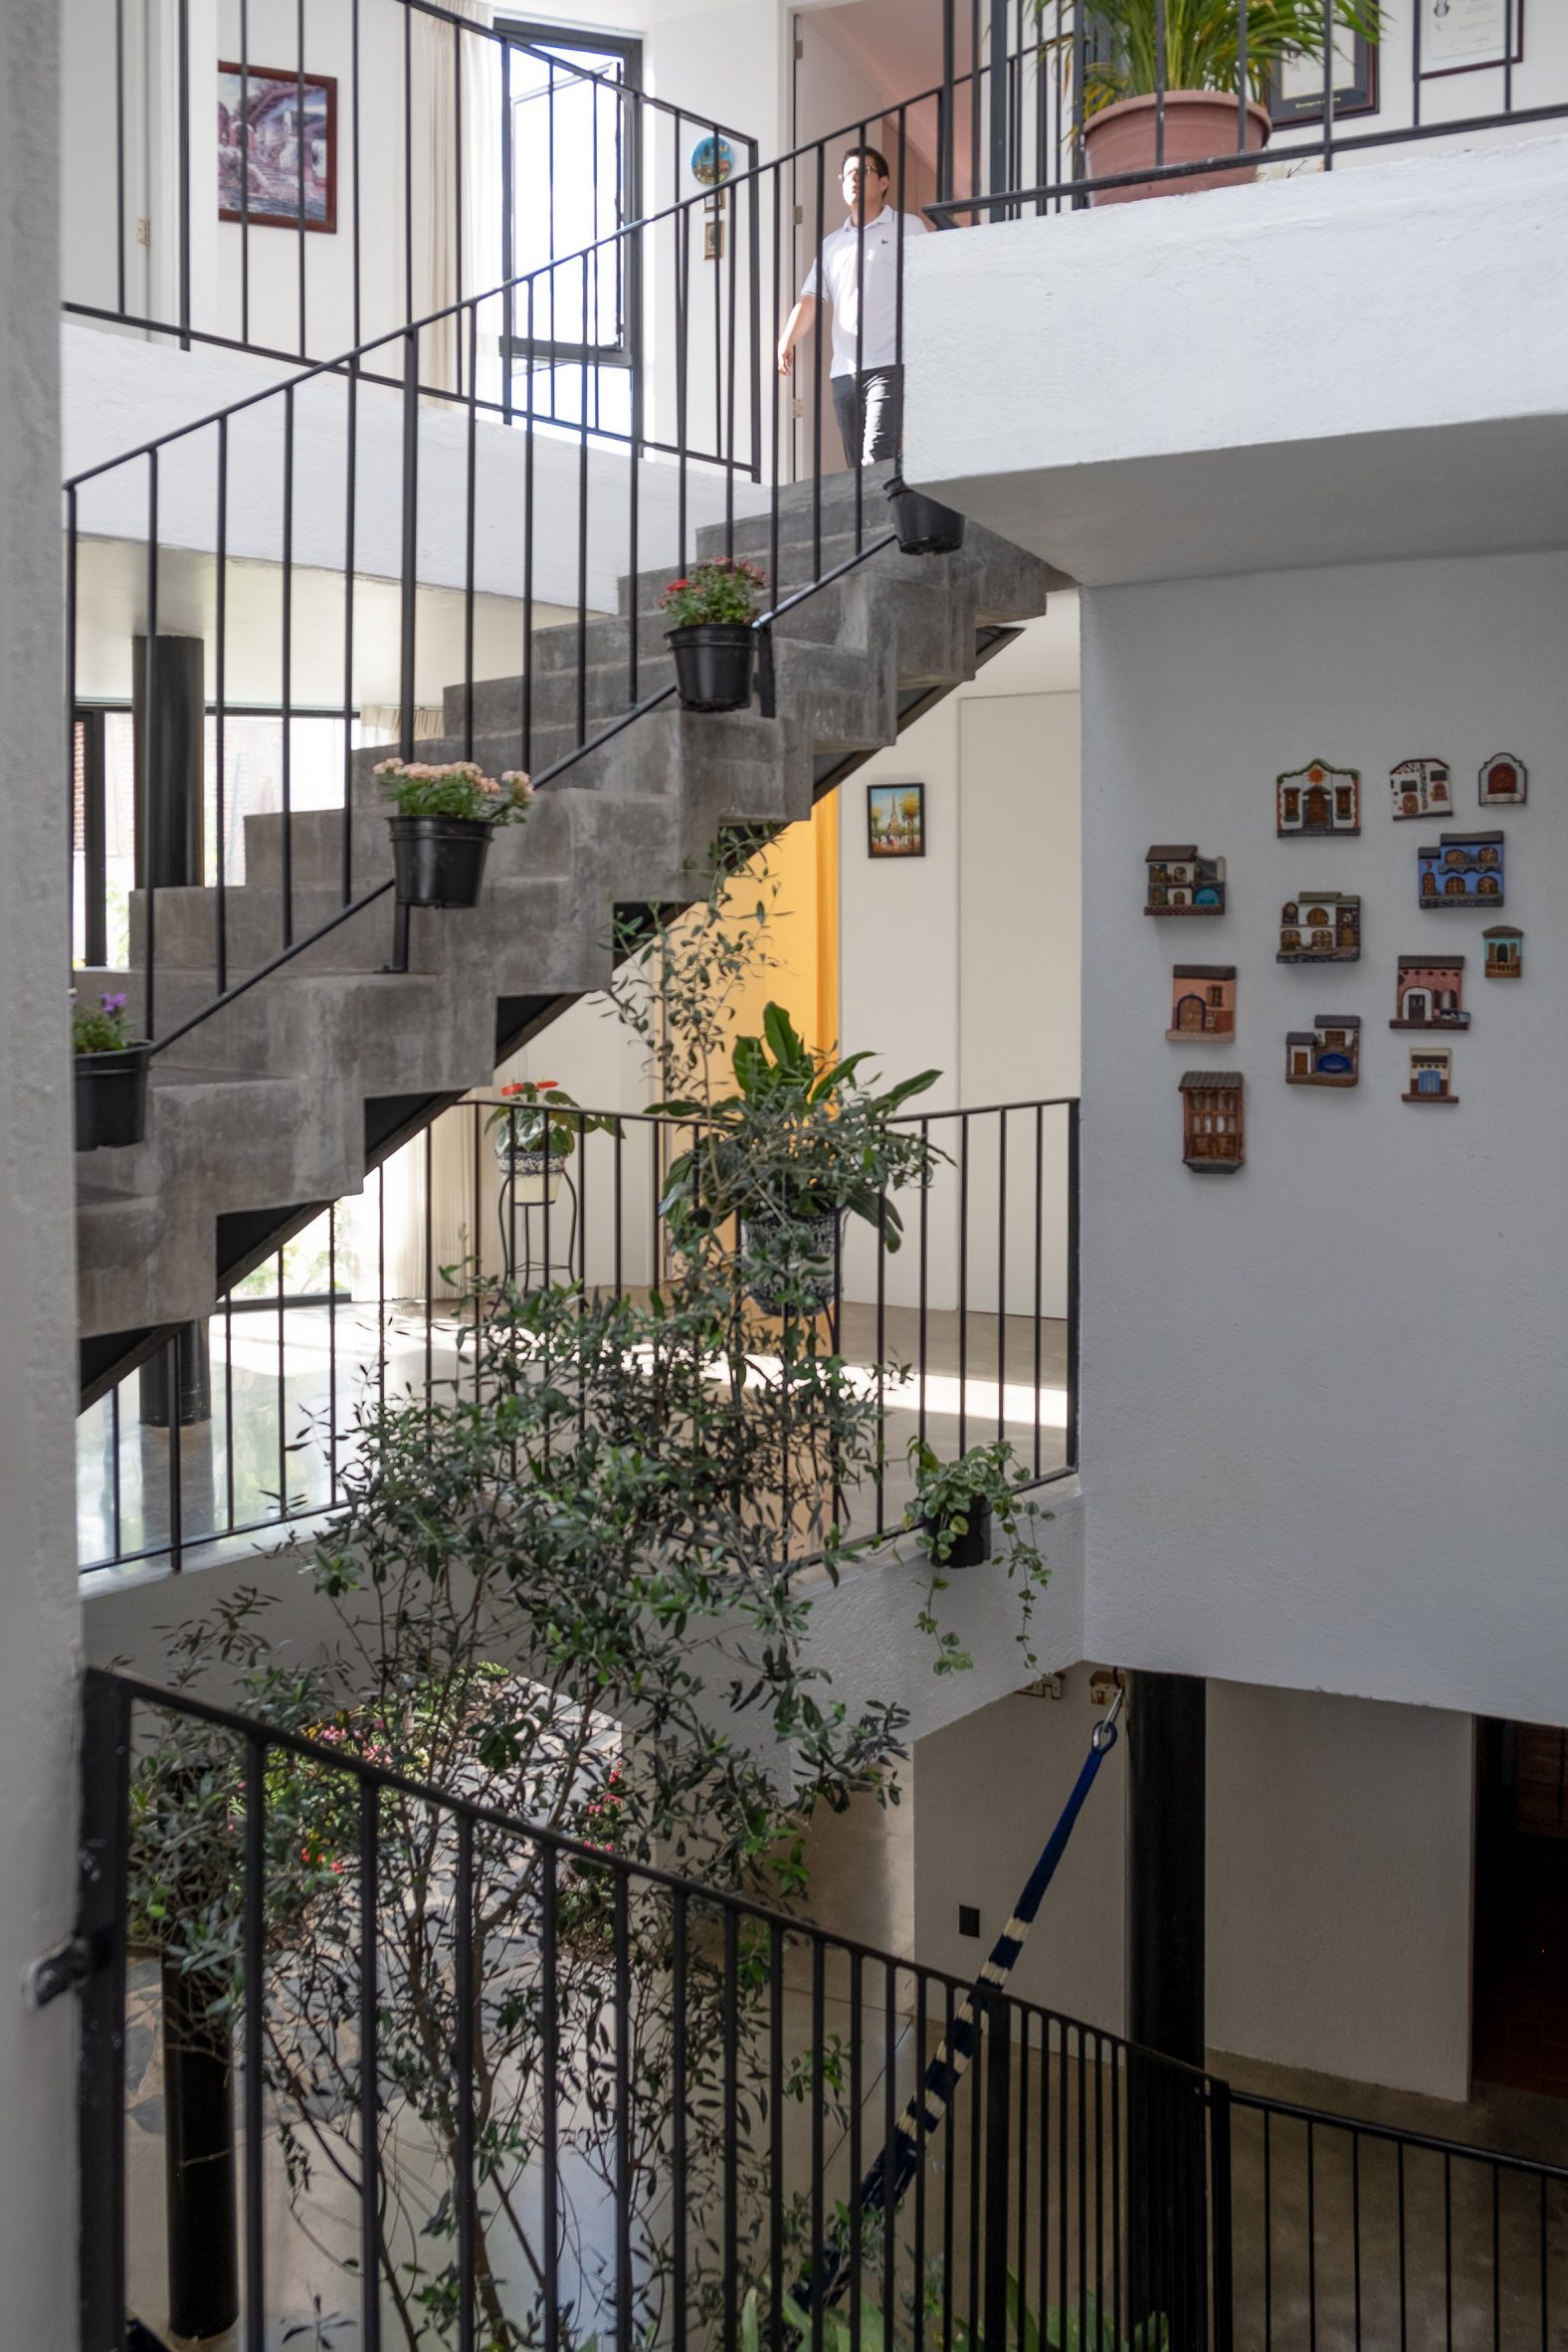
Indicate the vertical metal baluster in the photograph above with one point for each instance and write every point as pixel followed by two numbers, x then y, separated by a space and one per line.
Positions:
pixel 464 1991
pixel 283 1407
pixel 331 1351
pixel 1083 2189
pixel 408 172
pixel 1311 2234
pixel 103 1911
pixel 680 223
pixel 1064 2177
pixel 145 845
pixel 923 1285
pixel 1001 1280
pixel 1414 69
pixel 1497 2268
pixel 171 1374
pixel 861 403
pixel 1404 2275
pixel 357 256
pixel 470 525
pixel 775 381
pixel 775 2144
pixel 184 198
pixel 286 764
pixel 949 2168
pixel 381 1286
pixel 72 724
pixel 1448 2252
pixel 369 2068
pixel 678 2121
pixel 1545 2264
pixel 254 1933
pixel 1115 2192
pixel 1329 84
pixel 754 257
pixel 410 518
pixel 1161 78
pixel 582 529
pixel 121 299
pixel 730 265
pixel 1355 2227
pixel 228 1402
pixel 1039 1256
pixel 818 2186
pixel 350 477
pixel 221 647
pixel 115 1491
pixel 881 1366
pixel 245 172
pixel 889 2143
pixel 528 555
pixel 1268 2226
pixel 550 2168
pixel 1509 20
pixel 509 257
pixel 857 2103
pixel 976 145
pixel 920 2037
pixel 1099 2168
pixel 456 197
pixel 300 147
pixel 1074 1271
pixel 963 1281
pixel 817 350
pixel 974 2080
pixel 731 2034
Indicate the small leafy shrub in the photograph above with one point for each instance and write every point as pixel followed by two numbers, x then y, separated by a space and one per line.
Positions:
pixel 540 1115
pixel 461 789
pixel 948 1497
pixel 104 1029
pixel 718 593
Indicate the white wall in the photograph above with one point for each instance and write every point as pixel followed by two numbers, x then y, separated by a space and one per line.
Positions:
pixel 1338 1873
pixel 1322 1398
pixel 38 1692
pixel 967 959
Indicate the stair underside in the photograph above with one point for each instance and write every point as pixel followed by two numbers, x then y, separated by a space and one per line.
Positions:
pixel 290 1098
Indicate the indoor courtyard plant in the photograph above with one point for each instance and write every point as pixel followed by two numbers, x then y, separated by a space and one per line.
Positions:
pixel 1136 115
pixel 441 832
pixel 711 636
pixel 534 1130
pixel 110 1074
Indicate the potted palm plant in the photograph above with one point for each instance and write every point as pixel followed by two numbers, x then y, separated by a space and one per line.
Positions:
pixel 796 1146
pixel 1165 85
pixel 711 638
pixel 441 831
pixel 534 1130
pixel 111 1082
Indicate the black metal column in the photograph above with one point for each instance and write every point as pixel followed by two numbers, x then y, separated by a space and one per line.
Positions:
pixel 169 729
pixel 1166 2123
pixel 168 757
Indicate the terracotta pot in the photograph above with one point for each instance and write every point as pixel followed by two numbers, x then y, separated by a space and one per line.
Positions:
pixel 1198 122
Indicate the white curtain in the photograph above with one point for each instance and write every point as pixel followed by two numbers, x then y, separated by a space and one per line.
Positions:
pixel 382 723
pixel 461 98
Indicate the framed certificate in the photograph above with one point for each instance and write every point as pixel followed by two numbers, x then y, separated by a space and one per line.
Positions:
pixel 1295 93
pixel 1463 36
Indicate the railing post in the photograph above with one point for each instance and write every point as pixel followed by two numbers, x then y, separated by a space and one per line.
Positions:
pixel 998 2110
pixel 410 581
pixel 102 1895
pixel 1074 1246
pixel 998 116
pixel 1220 2262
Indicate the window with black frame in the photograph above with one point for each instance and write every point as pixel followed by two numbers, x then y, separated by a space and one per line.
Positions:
pixel 572 174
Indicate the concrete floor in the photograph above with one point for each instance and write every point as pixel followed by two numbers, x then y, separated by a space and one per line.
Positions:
pixel 275 1401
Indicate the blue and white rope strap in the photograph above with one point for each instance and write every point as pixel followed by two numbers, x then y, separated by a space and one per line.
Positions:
pixel 894 2169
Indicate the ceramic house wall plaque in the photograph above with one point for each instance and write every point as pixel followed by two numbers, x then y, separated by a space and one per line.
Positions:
pixel 1317 800
pixel 1503 781
pixel 1320 930
pixel 1183 883
pixel 1326 1055
pixel 1203 1000
pixel 1431 1074
pixel 1421 788
pixel 1214 1140
pixel 1504 953
pixel 1428 993
pixel 1463 870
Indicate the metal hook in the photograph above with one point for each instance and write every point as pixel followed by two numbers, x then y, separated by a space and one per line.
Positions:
pixel 1103 1735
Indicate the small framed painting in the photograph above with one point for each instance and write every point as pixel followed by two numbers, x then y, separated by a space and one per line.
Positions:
pixel 896 820
pixel 1295 93
pixel 276 148
pixel 1466 36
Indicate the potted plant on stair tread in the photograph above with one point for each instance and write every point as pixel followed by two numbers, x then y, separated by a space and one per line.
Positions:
pixel 111 1076
pixel 534 1130
pixel 712 640
pixel 441 834
pixel 1166 87
pixel 795 1148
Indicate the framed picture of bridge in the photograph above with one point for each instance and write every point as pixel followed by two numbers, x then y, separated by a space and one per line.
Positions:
pixel 896 820
pixel 276 148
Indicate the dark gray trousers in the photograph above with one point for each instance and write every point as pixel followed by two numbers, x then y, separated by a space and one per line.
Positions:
pixel 870 410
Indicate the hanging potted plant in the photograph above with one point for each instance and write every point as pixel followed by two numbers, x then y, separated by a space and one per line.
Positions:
pixel 534 1130
pixel 925 526
pixel 441 831
pixel 711 638
pixel 799 1145
pixel 1136 117
pixel 110 1091
pixel 956 1509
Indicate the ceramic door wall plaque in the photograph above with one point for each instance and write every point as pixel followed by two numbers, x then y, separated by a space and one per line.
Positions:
pixel 1326 1055
pixel 1421 788
pixel 1431 1076
pixel 1214 1140
pixel 1317 800
pixel 1503 782
pixel 1320 930
pixel 1504 953
pixel 1183 883
pixel 1203 1000
pixel 1429 993
pixel 1465 871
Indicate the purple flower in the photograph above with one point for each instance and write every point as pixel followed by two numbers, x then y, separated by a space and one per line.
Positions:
pixel 112 1004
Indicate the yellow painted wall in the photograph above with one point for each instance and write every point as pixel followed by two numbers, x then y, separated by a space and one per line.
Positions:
pixel 804 933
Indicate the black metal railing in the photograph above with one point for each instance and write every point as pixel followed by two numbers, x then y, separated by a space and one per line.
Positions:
pixel 1014 139
pixel 438 157
pixel 695 2084
pixel 968 1334
pixel 329 547
pixel 656 2097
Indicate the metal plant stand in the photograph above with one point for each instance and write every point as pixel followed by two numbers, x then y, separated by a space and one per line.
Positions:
pixel 509 1208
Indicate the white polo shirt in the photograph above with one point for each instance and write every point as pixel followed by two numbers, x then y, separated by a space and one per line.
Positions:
pixel 838 272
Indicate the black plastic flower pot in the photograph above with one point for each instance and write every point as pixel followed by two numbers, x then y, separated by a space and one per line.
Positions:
pixel 440 861
pixel 713 662
pixel 973 1546
pixel 925 526
pixel 111 1098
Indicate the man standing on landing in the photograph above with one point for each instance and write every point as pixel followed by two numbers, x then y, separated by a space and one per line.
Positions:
pixel 861 260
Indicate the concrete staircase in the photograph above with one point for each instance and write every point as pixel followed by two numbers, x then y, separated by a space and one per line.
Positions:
pixel 284 1099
